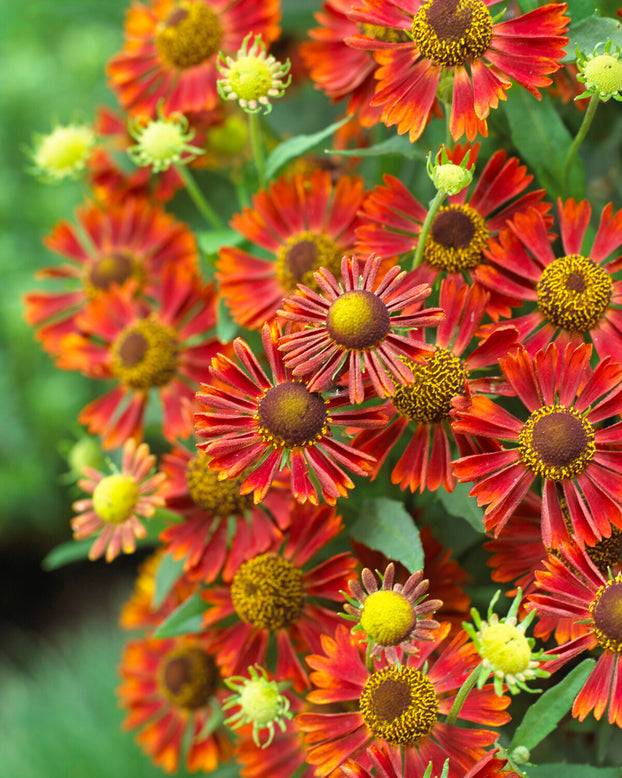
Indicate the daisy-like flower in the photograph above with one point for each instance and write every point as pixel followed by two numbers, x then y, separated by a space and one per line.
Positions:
pixel 275 597
pixel 355 325
pixel 171 48
pixel 400 707
pixel 129 242
pixel 578 294
pixel 457 243
pixel 572 587
pixel 62 153
pixel 118 502
pixel 560 443
pixel 144 347
pixel 392 616
pixel 303 222
pixel 419 411
pixel 259 425
pixel 457 40
pixel 220 525
pixel 172 692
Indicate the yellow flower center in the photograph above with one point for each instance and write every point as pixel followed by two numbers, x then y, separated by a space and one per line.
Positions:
pixel 188 677
pixel 219 498
pixel 260 701
pixel 506 648
pixel 556 442
pixel 399 705
pixel 302 255
pixel 456 239
pixel 115 498
pixel 267 592
pixel 603 74
pixel 290 415
pixel 358 320
pixel 606 610
pixel 574 292
pixel 114 267
pixel 387 617
pixel 451 32
pixel 427 400
pixel 64 152
pixel 250 77
pixel 191 34
pixel 145 355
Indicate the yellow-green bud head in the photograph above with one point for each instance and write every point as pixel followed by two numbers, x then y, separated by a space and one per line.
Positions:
pixel 601 73
pixel 447 176
pixel 162 142
pixel 115 498
pixel 63 153
pixel 506 648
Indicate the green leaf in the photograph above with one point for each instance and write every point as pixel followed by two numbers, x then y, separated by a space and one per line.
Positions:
pixel 226 327
pixel 294 147
pixel 168 571
pixel 65 553
pixel 386 526
pixel 544 715
pixel 184 619
pixel 573 771
pixel 458 503
pixel 212 240
pixel 590 31
pixel 579 9
pixel 400 145
pixel 543 140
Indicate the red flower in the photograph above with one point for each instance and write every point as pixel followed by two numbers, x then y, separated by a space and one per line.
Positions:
pixel 272 595
pixel 260 425
pixel 303 222
pixel 578 294
pixel 579 463
pixel 355 326
pixel 415 729
pixel 171 48
pixel 144 347
pixel 420 409
pixel 457 37
pixel 129 242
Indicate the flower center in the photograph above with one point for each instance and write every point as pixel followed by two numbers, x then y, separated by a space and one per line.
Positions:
pixel 113 268
pixel 145 355
pixel 556 442
pixel 399 705
pixel 64 152
pixel 387 617
pixel 387 34
pixel 219 498
pixel 574 292
pixel 115 497
pixel 250 77
pixel 260 701
pixel 188 677
pixel 190 34
pixel 427 400
pixel 456 239
pixel 290 415
pixel 603 73
pixel 606 610
pixel 358 320
pixel 267 592
pixel 451 32
pixel 302 255
pixel 506 648
pixel 606 553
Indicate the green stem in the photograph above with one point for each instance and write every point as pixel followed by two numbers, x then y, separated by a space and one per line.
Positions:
pixel 204 208
pixel 257 147
pixel 432 209
pixel 585 126
pixel 463 693
pixel 369 659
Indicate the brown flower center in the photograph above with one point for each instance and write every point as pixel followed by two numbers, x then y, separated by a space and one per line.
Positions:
pixel 302 255
pixel 451 32
pixel 190 34
pixel 267 592
pixel 358 320
pixel 113 268
pixel 145 355
pixel 220 498
pixel 456 239
pixel 399 704
pixel 606 610
pixel 188 677
pixel 574 292
pixel 290 415
pixel 606 553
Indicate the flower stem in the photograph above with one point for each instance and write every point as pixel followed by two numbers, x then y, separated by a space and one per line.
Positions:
pixel 369 659
pixel 257 147
pixel 204 208
pixel 432 209
pixel 585 126
pixel 463 693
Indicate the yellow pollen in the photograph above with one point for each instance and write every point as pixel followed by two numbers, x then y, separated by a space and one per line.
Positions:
pixel 427 400
pixel 606 552
pixel 267 592
pixel 188 677
pixel 456 239
pixel 399 705
pixel 358 320
pixel 606 610
pixel 556 443
pixel 217 497
pixel 387 34
pixel 191 34
pixel 145 355
pixel 115 498
pixel 387 617
pixel 290 415
pixel 506 648
pixel 250 78
pixel 451 32
pixel 574 292
pixel 302 255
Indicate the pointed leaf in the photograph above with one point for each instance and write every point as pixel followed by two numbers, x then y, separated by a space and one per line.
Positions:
pixel 185 619
pixel 458 503
pixel 400 145
pixel 386 526
pixel 167 573
pixel 294 147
